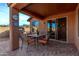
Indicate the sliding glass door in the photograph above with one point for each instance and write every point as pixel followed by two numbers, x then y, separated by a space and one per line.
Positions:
pixel 57 29
pixel 51 28
pixel 61 29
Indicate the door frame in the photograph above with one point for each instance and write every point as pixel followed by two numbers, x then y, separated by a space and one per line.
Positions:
pixel 57 32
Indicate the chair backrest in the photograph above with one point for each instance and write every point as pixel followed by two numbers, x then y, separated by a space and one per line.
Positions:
pixel 21 33
pixel 42 32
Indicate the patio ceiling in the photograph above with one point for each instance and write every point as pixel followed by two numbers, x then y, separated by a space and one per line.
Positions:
pixel 43 10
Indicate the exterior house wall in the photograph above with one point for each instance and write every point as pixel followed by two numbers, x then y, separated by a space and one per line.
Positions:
pixel 76 31
pixel 41 26
pixel 70 22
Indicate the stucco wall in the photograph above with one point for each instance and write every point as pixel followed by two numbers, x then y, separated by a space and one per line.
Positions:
pixel 76 31
pixel 70 23
pixel 14 32
pixel 41 26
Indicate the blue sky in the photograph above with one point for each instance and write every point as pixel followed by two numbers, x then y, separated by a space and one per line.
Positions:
pixel 4 16
pixel 23 19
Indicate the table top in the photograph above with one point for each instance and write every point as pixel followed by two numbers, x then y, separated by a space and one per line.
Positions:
pixel 34 35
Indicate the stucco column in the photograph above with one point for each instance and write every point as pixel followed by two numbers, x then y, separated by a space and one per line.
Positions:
pixel 14 32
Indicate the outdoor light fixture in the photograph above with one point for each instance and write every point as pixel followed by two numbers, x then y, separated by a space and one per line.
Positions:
pixel 15 17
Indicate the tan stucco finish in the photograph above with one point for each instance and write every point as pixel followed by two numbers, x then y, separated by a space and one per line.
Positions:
pixel 76 29
pixel 70 23
pixel 14 36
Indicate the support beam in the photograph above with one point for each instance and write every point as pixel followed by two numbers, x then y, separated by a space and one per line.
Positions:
pixel 14 32
pixel 32 14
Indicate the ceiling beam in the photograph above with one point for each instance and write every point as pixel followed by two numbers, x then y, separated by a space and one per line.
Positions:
pixel 22 5
pixel 27 12
pixel 27 5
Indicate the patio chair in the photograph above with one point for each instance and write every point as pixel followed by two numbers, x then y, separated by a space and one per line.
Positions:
pixel 24 38
pixel 22 35
pixel 30 40
pixel 44 38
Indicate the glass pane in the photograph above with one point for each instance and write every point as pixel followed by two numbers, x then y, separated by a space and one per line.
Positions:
pixel 35 25
pixel 48 25
pixel 53 26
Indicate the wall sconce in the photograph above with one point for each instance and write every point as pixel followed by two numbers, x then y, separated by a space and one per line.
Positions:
pixel 16 17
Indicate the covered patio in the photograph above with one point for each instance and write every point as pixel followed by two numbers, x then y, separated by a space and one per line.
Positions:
pixel 54 48
pixel 43 12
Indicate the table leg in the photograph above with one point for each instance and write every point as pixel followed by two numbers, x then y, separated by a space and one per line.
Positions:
pixel 36 42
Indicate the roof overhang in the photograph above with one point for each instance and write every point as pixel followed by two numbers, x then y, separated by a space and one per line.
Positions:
pixel 18 6
pixel 43 10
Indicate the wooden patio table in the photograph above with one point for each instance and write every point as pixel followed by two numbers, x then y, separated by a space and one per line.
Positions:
pixel 36 38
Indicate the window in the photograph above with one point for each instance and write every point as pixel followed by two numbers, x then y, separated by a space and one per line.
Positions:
pixel 35 25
